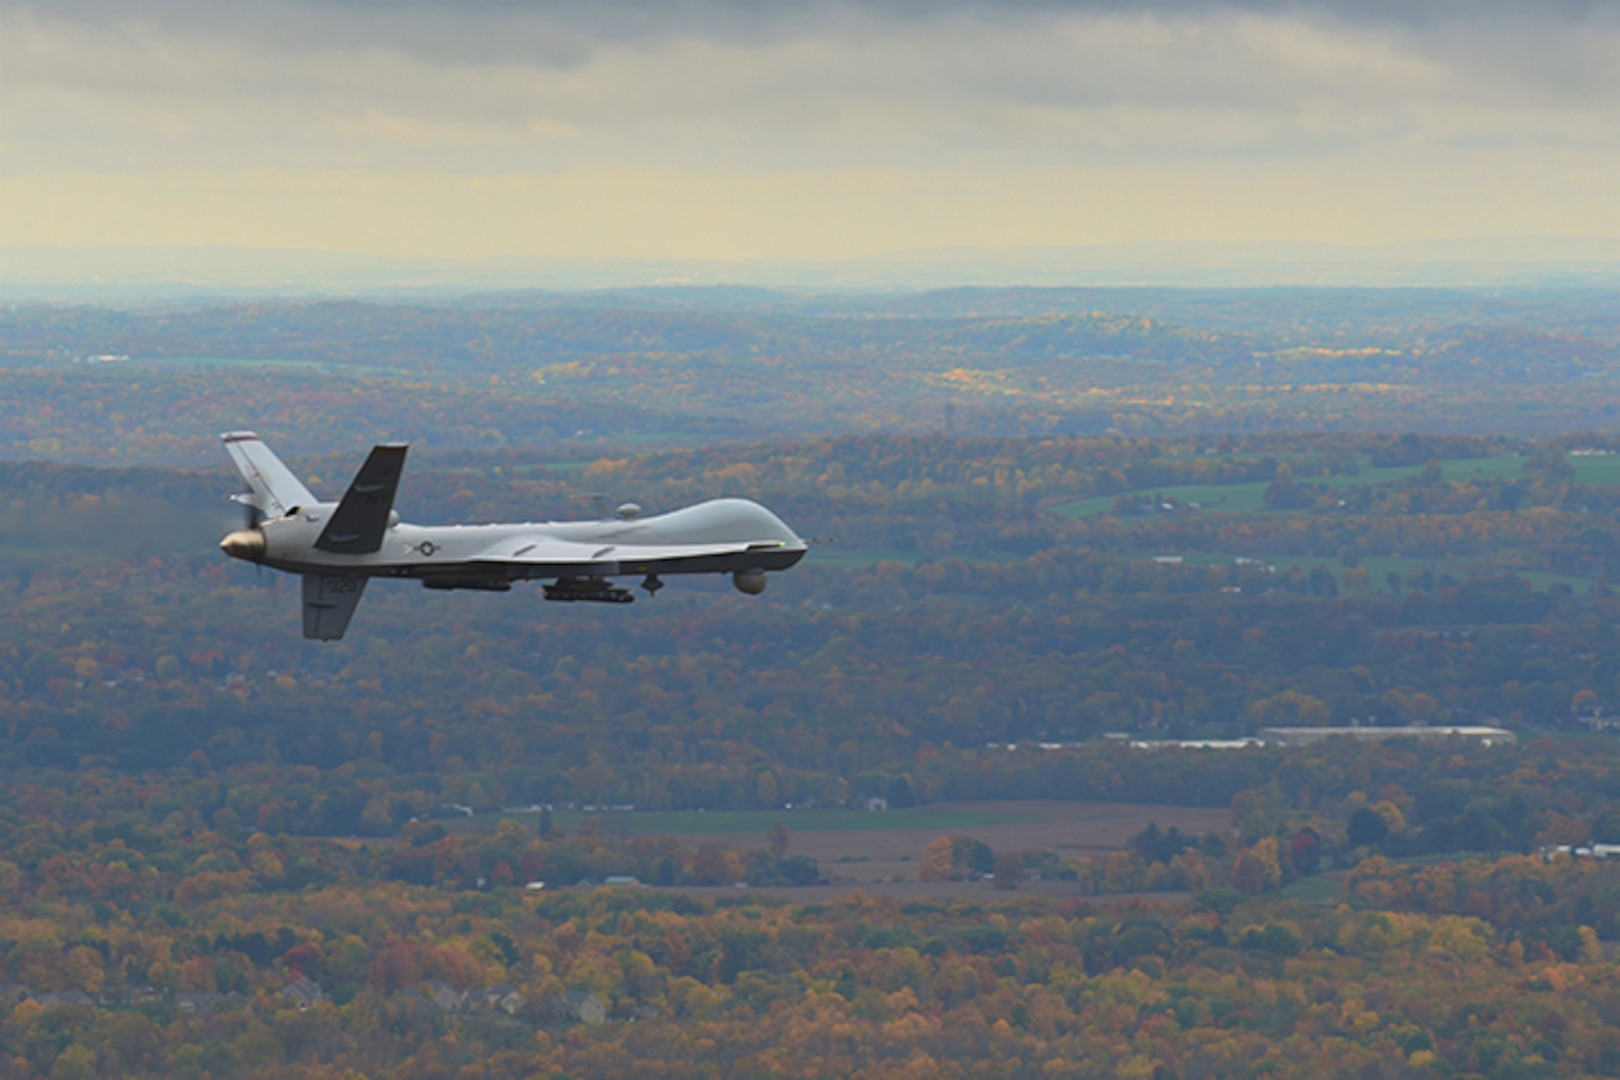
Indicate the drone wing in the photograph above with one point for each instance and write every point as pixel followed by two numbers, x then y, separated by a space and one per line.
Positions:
pixel 360 520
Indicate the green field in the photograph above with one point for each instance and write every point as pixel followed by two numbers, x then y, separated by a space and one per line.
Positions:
pixel 1379 567
pixel 1316 889
pixel 863 558
pixel 1596 469
pixel 698 822
pixel 1228 498
pixel 1233 498
pixel 856 558
pixel 322 367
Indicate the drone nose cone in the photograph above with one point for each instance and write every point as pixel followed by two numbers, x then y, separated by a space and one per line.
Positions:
pixel 244 544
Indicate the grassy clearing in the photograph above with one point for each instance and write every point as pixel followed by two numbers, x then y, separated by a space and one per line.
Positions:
pixel 231 361
pixel 1248 497
pixel 1598 469
pixel 1542 580
pixel 1379 567
pixel 1507 467
pixel 236 363
pixel 866 558
pixel 1312 890
pixel 1228 498
pixel 698 822
pixel 1233 498
pixel 856 558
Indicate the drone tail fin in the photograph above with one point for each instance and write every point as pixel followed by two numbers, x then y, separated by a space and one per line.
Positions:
pixel 275 488
pixel 329 603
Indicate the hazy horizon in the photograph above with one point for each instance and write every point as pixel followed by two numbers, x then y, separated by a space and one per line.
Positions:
pixel 32 273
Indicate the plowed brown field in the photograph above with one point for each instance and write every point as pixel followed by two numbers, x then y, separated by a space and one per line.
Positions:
pixel 885 861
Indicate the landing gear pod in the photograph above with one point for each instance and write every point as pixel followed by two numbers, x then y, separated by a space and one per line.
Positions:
pixel 751 582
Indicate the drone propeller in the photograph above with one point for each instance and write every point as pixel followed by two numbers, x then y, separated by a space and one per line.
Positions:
pixel 252 515
pixel 252 518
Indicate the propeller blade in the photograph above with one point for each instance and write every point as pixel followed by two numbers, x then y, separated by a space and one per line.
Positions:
pixel 252 518
pixel 251 514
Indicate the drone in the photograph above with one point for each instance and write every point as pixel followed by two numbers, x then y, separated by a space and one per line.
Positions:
pixel 337 547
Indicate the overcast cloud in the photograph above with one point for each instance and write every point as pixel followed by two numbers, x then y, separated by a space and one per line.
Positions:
pixel 491 86
pixel 1446 107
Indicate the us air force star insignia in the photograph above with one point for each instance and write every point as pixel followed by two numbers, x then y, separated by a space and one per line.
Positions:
pixel 426 547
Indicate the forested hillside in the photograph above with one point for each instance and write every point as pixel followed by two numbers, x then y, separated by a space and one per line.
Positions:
pixel 961 592
pixel 228 851
pixel 587 372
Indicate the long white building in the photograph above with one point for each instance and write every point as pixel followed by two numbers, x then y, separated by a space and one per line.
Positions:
pixel 1305 736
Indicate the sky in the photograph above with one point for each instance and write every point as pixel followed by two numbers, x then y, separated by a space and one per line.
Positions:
pixel 775 130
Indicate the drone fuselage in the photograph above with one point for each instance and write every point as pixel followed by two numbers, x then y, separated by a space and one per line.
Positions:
pixel 495 553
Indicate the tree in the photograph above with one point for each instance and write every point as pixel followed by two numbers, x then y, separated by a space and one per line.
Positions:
pixel 1009 869
pixel 716 865
pixel 1394 820
pixel 1305 851
pixel 768 791
pixel 777 838
pixel 1257 869
pixel 1606 827
pixel 1367 828
pixel 953 858
pixel 1284 494
pixel 1290 708
pixel 974 855
pixel 938 862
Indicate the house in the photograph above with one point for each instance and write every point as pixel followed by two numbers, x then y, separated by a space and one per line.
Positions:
pixel 444 995
pixel 1591 851
pixel 1593 718
pixel 877 802
pixel 66 997
pixel 583 1005
pixel 206 1002
pixel 620 879
pixel 1246 743
pixel 504 999
pixel 305 992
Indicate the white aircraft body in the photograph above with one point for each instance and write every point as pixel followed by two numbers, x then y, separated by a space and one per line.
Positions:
pixel 340 546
